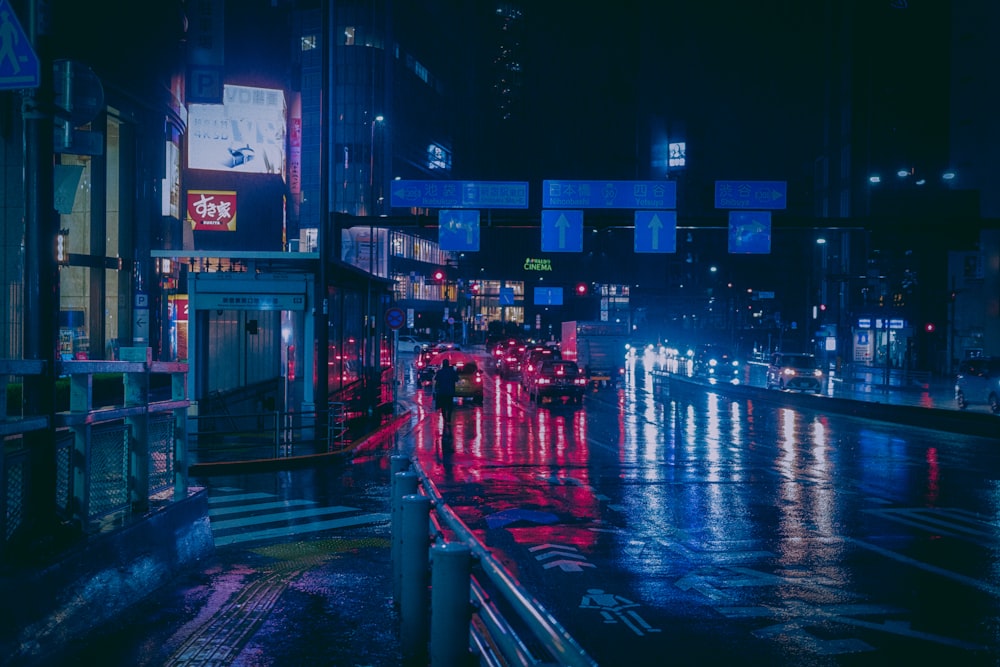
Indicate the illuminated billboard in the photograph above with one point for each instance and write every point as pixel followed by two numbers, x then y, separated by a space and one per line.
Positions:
pixel 211 210
pixel 244 134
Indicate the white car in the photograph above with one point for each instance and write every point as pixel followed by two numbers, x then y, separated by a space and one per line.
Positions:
pixel 410 344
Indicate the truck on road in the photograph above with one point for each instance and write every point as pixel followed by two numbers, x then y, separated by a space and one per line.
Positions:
pixel 598 348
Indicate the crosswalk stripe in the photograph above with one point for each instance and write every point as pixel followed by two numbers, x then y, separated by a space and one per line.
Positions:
pixel 272 517
pixel 238 497
pixel 237 509
pixel 238 517
pixel 301 529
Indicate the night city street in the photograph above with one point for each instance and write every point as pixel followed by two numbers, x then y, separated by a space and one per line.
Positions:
pixel 498 332
pixel 715 530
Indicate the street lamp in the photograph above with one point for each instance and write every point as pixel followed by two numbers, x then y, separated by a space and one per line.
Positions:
pixel 371 338
pixel 371 165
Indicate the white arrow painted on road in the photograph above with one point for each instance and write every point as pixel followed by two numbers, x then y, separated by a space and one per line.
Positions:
pixel 570 560
pixel 698 584
pixel 553 554
pixel 569 565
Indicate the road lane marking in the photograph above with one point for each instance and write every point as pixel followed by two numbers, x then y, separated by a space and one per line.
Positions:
pixel 954 576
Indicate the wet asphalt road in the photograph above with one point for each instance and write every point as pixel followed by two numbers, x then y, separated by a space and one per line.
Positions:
pixel 677 529
pixel 718 531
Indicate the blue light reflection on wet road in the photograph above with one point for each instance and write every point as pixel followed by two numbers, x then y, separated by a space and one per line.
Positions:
pixel 708 529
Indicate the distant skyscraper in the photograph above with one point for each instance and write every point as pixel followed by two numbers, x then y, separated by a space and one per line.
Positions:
pixel 508 60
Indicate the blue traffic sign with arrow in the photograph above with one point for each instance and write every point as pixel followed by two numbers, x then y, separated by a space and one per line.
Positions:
pixel 656 231
pixel 458 230
pixel 562 231
pixel 19 66
pixel 757 195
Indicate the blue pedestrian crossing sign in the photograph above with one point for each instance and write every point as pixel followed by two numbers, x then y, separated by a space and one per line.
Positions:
pixel 458 230
pixel 19 66
pixel 506 296
pixel 562 231
pixel 656 231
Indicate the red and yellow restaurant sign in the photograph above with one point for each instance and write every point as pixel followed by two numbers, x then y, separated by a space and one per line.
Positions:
pixel 211 210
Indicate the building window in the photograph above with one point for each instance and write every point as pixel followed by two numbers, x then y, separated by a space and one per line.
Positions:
pixel 308 42
pixel 349 36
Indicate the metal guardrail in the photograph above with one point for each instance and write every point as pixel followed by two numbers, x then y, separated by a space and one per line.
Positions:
pixel 476 605
pixel 107 460
pixel 267 435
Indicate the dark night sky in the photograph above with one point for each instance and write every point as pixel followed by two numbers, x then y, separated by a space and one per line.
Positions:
pixel 741 78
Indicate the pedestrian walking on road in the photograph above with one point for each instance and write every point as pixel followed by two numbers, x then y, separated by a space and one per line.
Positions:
pixel 444 391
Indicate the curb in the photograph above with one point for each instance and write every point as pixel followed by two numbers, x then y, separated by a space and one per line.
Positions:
pixel 296 462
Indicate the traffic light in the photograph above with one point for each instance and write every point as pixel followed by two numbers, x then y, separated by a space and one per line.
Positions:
pixel 438 275
pixel 474 288
pixel 929 327
pixel 582 289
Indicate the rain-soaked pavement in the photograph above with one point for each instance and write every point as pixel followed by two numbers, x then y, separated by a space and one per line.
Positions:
pixel 719 531
pixel 683 528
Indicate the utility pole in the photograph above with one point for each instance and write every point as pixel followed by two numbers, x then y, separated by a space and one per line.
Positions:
pixel 321 306
pixel 41 275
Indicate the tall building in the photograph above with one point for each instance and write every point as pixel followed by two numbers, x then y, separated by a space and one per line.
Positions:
pixel 901 117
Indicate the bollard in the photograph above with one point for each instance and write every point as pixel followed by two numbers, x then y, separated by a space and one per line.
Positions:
pixel 414 598
pixel 405 484
pixel 451 609
pixel 398 463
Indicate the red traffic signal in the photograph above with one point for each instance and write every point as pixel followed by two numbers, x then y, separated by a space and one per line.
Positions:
pixel 474 288
pixel 438 275
pixel 582 289
pixel 929 327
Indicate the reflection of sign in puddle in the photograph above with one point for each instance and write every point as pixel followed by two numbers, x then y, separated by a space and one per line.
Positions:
pixel 615 608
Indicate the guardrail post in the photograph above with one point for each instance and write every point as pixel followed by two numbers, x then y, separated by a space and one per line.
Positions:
pixel 404 484
pixel 414 596
pixel 451 566
pixel 136 388
pixel 178 392
pixel 81 401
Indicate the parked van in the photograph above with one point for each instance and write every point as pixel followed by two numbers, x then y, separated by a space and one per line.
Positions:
pixel 978 383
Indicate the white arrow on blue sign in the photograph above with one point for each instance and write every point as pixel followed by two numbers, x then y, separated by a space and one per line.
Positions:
pixel 749 232
pixel 19 66
pixel 656 231
pixel 769 195
pixel 458 230
pixel 562 231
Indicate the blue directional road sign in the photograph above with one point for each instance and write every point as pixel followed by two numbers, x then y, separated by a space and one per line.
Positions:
pixel 749 232
pixel 548 296
pixel 609 194
pixel 771 195
pixel 458 230
pixel 562 231
pixel 459 194
pixel 19 67
pixel 656 231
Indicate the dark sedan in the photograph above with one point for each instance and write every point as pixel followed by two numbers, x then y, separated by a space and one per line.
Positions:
pixel 557 378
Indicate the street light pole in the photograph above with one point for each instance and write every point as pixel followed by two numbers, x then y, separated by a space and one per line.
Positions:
pixel 374 362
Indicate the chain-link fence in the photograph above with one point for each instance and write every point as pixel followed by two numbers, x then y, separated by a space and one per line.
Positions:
pixel 160 432
pixel 107 469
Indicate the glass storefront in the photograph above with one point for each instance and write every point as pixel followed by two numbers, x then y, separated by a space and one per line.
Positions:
pixel 93 277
